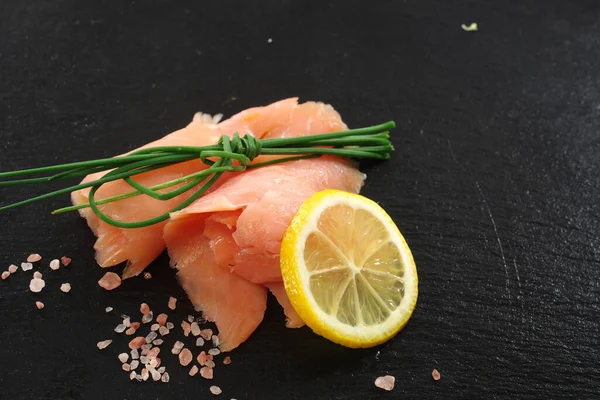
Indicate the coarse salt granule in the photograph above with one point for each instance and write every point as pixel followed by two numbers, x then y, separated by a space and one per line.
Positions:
pixel 170 325
pixel 103 344
pixel 215 390
pixel 145 374
pixel 144 308
pixel 110 281
pixel 135 325
pixel 147 275
pixel 216 341
pixel 120 328
pixel 135 354
pixel 65 260
pixel 172 303
pixel 161 319
pixel 36 285
pixel 37 275
pixel 151 336
pixel 54 265
pixel 214 352
pixel 191 318
pixel 155 375
pixel 201 358
pixel 154 327
pixel 137 342
pixel 34 258
pixel 5 275
pixel 185 357
pixel 65 287
pixel 157 342
pixel 12 268
pixel 227 360
pixel 195 329
pixel 147 317
pixel 210 364
pixel 186 328
pixel 199 342
pixel 108 309
pixel 126 367
pixel 123 357
pixel 132 375
pixel 385 382
pixel 39 305
pixel 26 266
pixel 134 364
pixel 163 330
pixel 165 377
pixel 435 374
pixel 206 334
pixel 161 370
pixel 206 373
pixel 130 331
pixel 193 370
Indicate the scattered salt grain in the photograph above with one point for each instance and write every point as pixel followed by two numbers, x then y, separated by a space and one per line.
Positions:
pixel 123 357
pixel 132 375
pixel 199 342
pixel 12 268
pixel 170 325
pixel 145 360
pixel 126 367
pixel 165 377
pixel 385 382
pixel 178 345
pixel 435 374
pixel 109 281
pixel 185 357
pixel 37 275
pixel 161 319
pixel 151 336
pixel 108 309
pixel 163 330
pixel 193 370
pixel 39 305
pixel 210 364
pixel 36 285
pixel 130 331
pixel 186 328
pixel 216 341
pixel 206 334
pixel 54 265
pixel 154 327
pixel 137 342
pixel 65 260
pixel 201 358
pixel 144 308
pixel 270 40
pixel 190 318
pixel 145 374
pixel 215 389
pixel 120 328
pixel 154 363
pixel 135 354
pixel 135 325
pixel 147 275
pixel 65 287
pixel 134 364
pixel 154 352
pixel 195 329
pixel 34 258
pixel 157 342
pixel 172 303
pixel 146 346
pixel 155 375
pixel 147 317
pixel 5 275
pixel 206 373
pixel 161 370
pixel 26 266
pixel 227 360
pixel 214 352
pixel 103 344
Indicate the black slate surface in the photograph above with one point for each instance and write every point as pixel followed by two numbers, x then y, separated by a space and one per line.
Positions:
pixel 494 183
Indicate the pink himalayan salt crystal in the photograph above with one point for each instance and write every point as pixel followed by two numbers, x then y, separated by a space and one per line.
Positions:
pixel 206 373
pixel 155 375
pixel 194 370
pixel 190 318
pixel 162 319
pixel 147 317
pixel 134 325
pixel 215 390
pixel 110 281
pixel 195 329
pixel 170 325
pixel 385 382
pixel 145 374
pixel 154 327
pixel 206 334
pixel 36 285
pixel 227 360
pixel 65 260
pixel 172 303
pixel 134 364
pixel 103 344
pixel 144 308
pixel 65 287
pixel 154 352
pixel 214 352
pixel 34 258
pixel 202 358
pixel 435 374
pixel 137 342
pixel 123 357
pixel 147 275
pixel 108 309
pixel 37 275
pixel 39 305
pixel 165 377
pixel 163 330
pixel 132 375
pixel 5 275
pixel 26 266
pixel 210 364
pixel 216 341
pixel 54 265
pixel 12 268
pixel 126 367
pixel 186 328
pixel 199 342
pixel 157 342
pixel 178 345
pixel 185 357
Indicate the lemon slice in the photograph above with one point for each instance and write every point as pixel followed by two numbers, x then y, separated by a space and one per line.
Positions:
pixel 347 270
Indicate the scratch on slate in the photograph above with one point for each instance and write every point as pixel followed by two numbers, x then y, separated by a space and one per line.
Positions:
pixel 487 207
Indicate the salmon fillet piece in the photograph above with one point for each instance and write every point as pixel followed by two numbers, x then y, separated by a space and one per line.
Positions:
pixel 139 247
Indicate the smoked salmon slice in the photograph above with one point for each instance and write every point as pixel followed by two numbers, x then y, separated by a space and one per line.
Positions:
pixel 139 247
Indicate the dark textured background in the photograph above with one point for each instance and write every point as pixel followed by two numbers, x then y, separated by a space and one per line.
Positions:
pixel 494 183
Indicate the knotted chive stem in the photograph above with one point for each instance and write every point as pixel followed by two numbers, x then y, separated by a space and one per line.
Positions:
pixel 230 154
